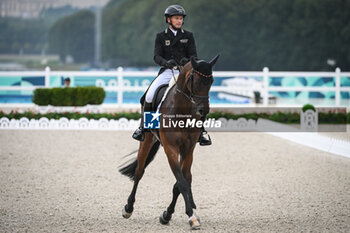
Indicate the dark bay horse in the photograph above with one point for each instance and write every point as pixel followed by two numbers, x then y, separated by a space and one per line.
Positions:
pixel 188 97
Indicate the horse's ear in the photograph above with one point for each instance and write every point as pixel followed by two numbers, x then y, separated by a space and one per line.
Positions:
pixel 214 60
pixel 194 62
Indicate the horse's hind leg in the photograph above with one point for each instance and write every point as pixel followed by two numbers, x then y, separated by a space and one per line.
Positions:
pixel 144 149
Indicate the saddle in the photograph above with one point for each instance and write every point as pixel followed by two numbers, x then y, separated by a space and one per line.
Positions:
pixel 160 94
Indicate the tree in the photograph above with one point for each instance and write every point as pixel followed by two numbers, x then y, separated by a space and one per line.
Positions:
pixel 27 36
pixel 74 35
pixel 249 34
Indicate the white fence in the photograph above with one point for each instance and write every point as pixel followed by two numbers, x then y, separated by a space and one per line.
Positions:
pixel 120 87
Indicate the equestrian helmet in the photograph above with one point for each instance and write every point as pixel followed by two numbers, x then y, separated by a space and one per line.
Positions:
pixel 174 10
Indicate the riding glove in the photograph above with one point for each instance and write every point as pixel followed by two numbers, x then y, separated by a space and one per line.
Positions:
pixel 170 64
pixel 183 61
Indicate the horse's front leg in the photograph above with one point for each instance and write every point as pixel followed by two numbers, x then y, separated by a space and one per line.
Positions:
pixel 144 149
pixel 182 185
pixel 186 170
pixel 166 215
pixel 185 165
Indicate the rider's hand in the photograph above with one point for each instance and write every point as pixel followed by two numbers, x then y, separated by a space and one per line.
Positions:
pixel 170 64
pixel 184 61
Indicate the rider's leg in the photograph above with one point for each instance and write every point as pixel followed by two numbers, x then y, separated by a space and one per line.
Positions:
pixel 163 78
pixel 139 133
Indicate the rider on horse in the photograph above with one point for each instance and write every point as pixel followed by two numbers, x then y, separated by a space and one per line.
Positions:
pixel 173 47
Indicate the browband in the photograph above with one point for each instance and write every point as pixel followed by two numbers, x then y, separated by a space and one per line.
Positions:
pixel 206 76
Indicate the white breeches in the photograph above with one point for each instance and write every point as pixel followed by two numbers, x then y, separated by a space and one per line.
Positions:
pixel 163 78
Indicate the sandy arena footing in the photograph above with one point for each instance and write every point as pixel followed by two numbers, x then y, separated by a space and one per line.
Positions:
pixel 68 181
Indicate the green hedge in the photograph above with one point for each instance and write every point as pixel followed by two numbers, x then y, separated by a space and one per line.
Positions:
pixel 289 118
pixel 307 107
pixel 69 96
pixel 42 96
pixel 71 115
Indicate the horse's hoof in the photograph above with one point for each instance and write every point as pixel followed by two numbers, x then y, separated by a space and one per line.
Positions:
pixel 194 223
pixel 162 218
pixel 198 218
pixel 125 213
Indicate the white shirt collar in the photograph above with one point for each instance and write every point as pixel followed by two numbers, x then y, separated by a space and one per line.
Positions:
pixel 174 31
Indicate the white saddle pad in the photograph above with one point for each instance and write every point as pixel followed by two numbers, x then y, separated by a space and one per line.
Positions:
pixel 171 83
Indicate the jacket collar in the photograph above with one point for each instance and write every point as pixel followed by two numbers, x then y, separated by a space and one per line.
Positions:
pixel 171 36
pixel 167 30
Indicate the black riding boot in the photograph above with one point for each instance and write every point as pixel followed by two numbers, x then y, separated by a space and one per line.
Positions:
pixel 203 140
pixel 139 133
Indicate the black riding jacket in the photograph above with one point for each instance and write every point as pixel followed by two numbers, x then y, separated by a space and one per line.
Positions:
pixel 167 46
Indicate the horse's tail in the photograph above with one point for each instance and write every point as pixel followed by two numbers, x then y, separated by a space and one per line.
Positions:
pixel 130 168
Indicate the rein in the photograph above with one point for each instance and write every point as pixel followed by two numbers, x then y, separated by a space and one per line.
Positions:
pixel 191 97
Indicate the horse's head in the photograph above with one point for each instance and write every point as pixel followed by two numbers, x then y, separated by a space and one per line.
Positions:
pixel 198 81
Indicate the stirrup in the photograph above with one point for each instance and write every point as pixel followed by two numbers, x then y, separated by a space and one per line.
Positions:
pixel 202 140
pixel 139 134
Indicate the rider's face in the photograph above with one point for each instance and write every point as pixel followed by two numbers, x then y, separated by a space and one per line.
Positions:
pixel 176 20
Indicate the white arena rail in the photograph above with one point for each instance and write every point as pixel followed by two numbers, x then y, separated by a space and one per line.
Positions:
pixel 120 86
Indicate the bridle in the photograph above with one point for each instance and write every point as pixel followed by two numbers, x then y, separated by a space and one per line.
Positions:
pixel 192 97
